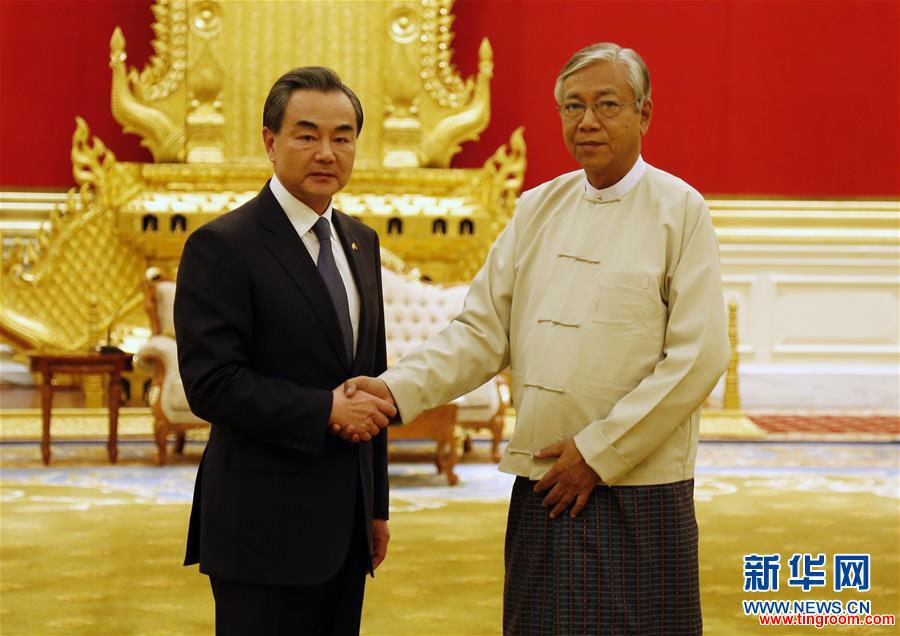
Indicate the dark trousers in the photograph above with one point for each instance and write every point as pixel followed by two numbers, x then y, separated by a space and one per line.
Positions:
pixel 332 608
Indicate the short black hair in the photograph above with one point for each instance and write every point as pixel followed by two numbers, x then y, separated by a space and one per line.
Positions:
pixel 314 78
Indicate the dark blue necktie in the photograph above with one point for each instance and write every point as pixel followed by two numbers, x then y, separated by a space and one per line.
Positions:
pixel 335 284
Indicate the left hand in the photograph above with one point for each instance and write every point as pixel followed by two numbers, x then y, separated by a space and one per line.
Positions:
pixel 381 535
pixel 570 478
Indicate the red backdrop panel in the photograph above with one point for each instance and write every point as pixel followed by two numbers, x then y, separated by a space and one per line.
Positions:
pixel 751 98
pixel 54 65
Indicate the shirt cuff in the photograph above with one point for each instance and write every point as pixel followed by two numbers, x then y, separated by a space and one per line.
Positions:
pixel 406 395
pixel 601 455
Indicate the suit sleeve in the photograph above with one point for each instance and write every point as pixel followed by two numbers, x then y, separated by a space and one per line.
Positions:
pixel 379 443
pixel 214 331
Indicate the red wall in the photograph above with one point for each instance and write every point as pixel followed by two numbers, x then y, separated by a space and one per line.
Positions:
pixel 54 65
pixel 751 98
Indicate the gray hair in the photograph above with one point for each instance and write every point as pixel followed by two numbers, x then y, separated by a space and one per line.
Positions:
pixel 635 70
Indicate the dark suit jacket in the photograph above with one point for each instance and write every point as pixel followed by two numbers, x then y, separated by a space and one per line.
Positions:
pixel 259 349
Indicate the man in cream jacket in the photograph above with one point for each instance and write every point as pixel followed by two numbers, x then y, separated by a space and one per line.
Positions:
pixel 603 295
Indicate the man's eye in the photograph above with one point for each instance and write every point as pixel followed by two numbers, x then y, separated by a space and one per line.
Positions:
pixel 306 138
pixel 573 108
pixel 609 104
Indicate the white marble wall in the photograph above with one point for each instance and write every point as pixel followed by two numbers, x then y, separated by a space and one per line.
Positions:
pixel 818 324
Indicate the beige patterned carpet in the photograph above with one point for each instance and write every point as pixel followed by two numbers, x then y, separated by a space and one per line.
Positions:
pixel 716 424
pixel 88 548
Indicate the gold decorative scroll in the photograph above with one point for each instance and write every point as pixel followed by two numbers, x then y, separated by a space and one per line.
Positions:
pixel 197 106
pixel 199 99
pixel 48 280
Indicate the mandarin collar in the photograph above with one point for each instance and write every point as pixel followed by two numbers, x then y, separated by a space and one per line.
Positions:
pixel 619 189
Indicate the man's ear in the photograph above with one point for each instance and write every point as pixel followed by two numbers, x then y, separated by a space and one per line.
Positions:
pixel 269 143
pixel 646 114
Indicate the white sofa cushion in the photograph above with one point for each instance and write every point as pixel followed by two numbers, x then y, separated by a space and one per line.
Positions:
pixel 165 303
pixel 173 400
pixel 414 310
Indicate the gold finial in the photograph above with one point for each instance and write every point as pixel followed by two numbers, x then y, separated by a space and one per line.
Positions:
pixel 732 399
pixel 94 330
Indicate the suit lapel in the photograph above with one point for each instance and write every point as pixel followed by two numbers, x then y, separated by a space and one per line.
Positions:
pixel 282 241
pixel 362 274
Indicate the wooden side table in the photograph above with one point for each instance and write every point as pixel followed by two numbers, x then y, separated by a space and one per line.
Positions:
pixel 112 364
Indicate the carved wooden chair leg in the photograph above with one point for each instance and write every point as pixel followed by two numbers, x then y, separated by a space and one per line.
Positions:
pixel 448 458
pixel 179 443
pixel 438 462
pixel 161 441
pixel 498 437
pixel 439 455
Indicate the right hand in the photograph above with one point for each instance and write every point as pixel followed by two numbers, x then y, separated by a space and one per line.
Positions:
pixel 375 386
pixel 359 417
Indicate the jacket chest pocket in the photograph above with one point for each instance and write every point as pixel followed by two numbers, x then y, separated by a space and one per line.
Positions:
pixel 626 302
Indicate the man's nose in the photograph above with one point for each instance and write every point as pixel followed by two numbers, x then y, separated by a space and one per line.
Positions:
pixel 325 153
pixel 589 121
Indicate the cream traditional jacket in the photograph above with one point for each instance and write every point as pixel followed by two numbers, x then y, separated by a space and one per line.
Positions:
pixel 608 307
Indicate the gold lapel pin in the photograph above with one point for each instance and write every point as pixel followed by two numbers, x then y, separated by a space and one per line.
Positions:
pixel 354 247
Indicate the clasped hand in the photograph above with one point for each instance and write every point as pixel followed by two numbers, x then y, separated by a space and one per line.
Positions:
pixel 359 416
pixel 361 407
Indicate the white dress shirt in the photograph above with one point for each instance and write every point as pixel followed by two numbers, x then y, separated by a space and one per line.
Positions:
pixel 303 217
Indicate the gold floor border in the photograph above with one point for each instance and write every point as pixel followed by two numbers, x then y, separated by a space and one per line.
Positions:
pixel 722 424
pixel 80 423
pixel 137 423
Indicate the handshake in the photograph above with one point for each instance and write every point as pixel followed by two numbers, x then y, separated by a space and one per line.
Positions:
pixel 361 407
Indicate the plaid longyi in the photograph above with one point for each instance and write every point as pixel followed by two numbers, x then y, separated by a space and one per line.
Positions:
pixel 626 565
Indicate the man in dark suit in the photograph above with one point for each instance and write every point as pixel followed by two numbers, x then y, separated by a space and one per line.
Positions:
pixel 278 303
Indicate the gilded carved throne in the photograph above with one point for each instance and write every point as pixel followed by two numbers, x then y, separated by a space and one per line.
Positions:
pixel 197 107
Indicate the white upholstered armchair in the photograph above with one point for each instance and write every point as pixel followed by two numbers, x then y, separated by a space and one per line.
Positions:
pixel 171 413
pixel 414 310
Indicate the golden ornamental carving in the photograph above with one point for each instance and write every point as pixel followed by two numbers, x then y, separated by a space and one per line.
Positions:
pixel 442 142
pixel 504 174
pixel 441 79
pixel 732 396
pixel 402 128
pixel 102 182
pixel 505 171
pixel 197 108
pixel 206 18
pixel 418 108
pixel 76 254
pixel 158 131
pixel 164 72
pixel 204 138
pixel 429 109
